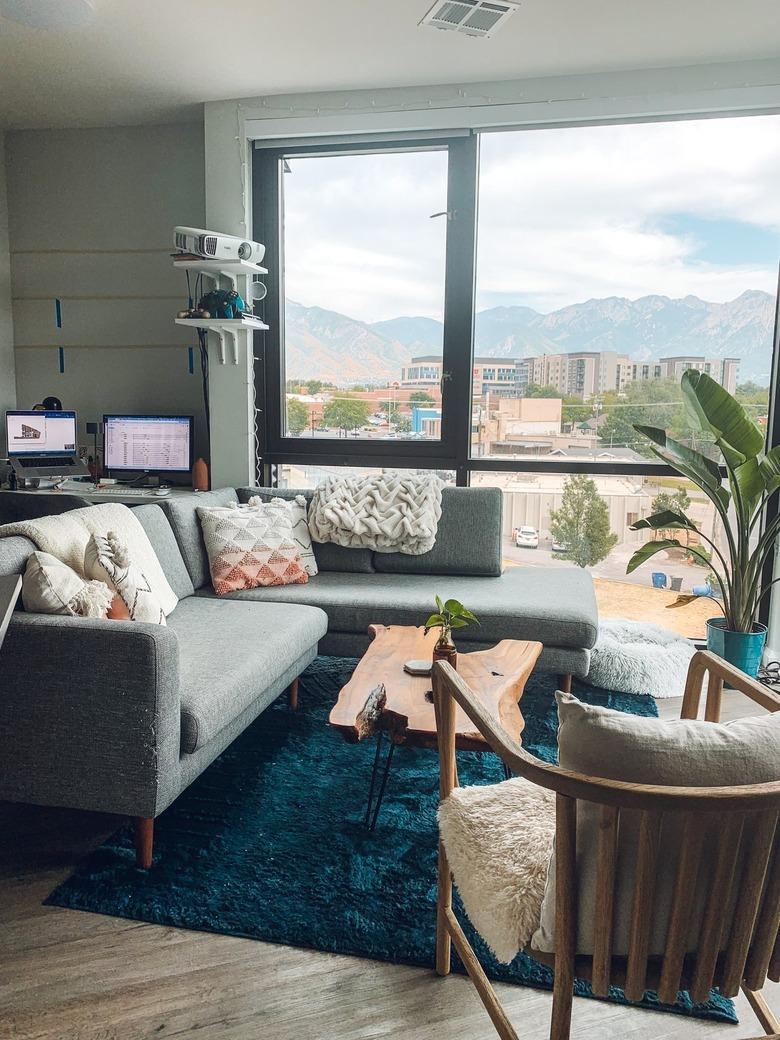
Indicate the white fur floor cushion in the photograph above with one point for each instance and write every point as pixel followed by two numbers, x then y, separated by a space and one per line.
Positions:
pixel 635 657
pixel 499 839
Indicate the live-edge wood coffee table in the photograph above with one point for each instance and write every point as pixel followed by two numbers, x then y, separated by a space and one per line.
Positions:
pixel 382 699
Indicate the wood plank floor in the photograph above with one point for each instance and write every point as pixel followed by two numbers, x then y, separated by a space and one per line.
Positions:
pixel 67 975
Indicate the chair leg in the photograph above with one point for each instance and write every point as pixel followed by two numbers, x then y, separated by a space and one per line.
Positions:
pixel 292 695
pixel 563 994
pixel 443 903
pixel 564 683
pixel 762 1011
pixel 144 841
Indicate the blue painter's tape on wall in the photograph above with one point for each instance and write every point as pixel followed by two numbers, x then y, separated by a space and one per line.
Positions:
pixel 62 359
pixel 191 360
pixel 58 313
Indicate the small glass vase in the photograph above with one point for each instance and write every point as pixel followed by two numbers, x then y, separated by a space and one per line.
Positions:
pixel 446 652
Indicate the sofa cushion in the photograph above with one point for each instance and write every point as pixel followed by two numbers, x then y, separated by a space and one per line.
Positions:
pixel 183 516
pixel 554 605
pixel 329 557
pixel 230 654
pixel 160 534
pixel 14 552
pixel 597 741
pixel 468 540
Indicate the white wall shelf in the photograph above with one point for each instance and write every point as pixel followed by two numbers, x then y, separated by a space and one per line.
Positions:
pixel 226 324
pixel 228 268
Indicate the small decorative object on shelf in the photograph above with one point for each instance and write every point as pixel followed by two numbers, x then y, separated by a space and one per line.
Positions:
pixel 724 427
pixel 450 614
pixel 200 475
pixel 219 303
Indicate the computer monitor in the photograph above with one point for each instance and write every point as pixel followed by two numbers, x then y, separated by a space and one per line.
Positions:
pixel 147 443
pixel 40 433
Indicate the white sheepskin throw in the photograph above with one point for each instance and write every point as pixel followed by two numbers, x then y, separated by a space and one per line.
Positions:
pixel 499 840
pixel 389 513
pixel 634 657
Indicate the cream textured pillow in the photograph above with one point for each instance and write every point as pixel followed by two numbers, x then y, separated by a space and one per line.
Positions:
pixel 681 753
pixel 296 507
pixel 108 560
pixel 248 547
pixel 50 586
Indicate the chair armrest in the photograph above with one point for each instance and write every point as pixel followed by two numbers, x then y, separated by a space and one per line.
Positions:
pixel 704 663
pixel 89 712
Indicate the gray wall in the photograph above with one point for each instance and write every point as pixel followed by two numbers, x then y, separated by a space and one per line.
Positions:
pixel 7 380
pixel 91 215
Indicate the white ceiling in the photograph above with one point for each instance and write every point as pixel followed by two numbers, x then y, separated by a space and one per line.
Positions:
pixel 145 61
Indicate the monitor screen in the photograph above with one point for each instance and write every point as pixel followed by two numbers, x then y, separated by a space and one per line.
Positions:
pixel 41 433
pixel 152 443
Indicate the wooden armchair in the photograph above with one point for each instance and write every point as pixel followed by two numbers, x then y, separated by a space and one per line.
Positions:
pixel 748 817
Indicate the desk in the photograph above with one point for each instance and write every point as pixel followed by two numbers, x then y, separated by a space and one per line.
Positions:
pixel 113 493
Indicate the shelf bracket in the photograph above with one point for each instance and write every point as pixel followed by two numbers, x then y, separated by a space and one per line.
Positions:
pixel 231 335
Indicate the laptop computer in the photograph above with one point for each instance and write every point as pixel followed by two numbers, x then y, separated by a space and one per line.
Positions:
pixel 43 444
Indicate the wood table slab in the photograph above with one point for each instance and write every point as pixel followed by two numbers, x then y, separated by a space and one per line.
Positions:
pixel 497 675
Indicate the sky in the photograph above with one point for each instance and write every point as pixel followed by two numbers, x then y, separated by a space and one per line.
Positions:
pixel 565 215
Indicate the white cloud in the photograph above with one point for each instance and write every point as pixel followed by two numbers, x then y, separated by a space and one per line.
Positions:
pixel 565 215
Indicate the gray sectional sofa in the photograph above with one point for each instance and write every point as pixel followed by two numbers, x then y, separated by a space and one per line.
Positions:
pixel 120 718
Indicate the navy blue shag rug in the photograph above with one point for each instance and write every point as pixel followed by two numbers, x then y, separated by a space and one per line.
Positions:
pixel 269 842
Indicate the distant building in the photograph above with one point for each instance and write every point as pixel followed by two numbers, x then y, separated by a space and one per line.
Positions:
pixel 723 370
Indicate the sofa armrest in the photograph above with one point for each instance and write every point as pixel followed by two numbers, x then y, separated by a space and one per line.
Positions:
pixel 89 713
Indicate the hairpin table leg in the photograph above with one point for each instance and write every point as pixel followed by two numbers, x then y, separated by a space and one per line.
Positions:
pixel 375 804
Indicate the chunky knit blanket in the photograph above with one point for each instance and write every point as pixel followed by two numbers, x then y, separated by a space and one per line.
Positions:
pixel 390 513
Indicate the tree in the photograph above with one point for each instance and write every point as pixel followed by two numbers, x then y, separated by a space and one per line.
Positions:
pixel 647 402
pixel 534 390
pixel 420 397
pixel 401 423
pixel 582 523
pixel 297 416
pixel 345 412
pixel 575 411
pixel 671 501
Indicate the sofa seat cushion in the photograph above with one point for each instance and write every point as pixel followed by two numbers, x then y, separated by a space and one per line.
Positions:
pixel 555 605
pixel 230 655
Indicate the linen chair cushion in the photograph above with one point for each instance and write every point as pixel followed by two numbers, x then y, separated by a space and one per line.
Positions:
pixel 498 839
pixel 600 742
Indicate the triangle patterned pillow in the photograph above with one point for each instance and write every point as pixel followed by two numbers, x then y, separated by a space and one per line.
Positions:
pixel 250 547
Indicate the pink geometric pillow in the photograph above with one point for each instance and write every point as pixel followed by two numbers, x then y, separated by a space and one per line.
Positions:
pixel 250 546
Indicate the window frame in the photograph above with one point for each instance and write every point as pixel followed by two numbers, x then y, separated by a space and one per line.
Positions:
pixel 454 450
pixel 459 274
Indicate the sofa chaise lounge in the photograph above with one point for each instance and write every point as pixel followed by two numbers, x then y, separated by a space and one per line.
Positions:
pixel 120 718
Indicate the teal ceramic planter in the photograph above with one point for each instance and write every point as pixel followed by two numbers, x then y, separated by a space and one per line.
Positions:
pixel 742 649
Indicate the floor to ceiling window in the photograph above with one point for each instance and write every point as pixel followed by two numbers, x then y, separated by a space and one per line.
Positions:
pixel 507 307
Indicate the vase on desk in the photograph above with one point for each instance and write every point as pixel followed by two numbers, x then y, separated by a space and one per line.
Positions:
pixel 200 476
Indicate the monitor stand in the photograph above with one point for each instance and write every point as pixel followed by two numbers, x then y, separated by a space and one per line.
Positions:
pixel 148 480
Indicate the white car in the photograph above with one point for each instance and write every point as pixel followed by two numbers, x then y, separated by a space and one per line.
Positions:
pixel 527 538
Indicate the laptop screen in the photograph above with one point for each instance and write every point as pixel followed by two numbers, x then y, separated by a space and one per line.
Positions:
pixel 40 433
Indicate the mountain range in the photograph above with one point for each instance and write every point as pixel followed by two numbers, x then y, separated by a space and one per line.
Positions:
pixel 323 344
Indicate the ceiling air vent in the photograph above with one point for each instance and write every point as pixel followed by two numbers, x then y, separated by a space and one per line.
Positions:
pixel 472 17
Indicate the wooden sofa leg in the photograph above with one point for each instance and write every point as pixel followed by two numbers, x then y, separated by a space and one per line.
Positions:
pixel 292 695
pixel 144 841
pixel 564 683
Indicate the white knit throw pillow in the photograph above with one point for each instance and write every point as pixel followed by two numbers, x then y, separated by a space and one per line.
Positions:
pixel 298 513
pixel 50 586
pixel 107 559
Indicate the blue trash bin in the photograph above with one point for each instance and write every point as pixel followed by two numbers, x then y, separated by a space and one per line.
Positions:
pixel 659 580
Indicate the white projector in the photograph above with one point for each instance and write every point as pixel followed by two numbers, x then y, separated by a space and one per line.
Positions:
pixel 213 245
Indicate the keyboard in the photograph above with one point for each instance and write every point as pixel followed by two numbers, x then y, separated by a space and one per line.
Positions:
pixel 117 490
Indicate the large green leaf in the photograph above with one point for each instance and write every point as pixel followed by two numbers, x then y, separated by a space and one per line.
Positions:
pixel 667 520
pixel 690 463
pixel 644 552
pixel 770 470
pixel 751 484
pixel 715 411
